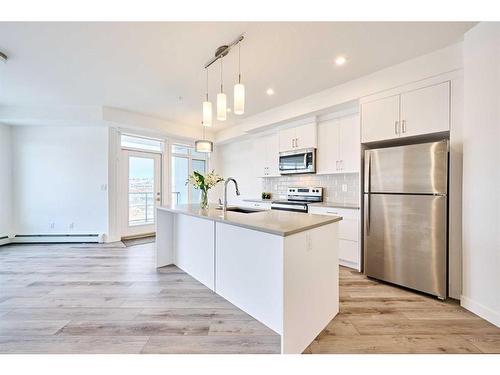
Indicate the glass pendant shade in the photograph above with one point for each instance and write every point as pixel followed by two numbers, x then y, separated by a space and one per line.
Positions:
pixel 239 99
pixel 204 146
pixel 207 113
pixel 221 106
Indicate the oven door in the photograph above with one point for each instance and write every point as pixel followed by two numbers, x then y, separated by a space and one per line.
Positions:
pixel 294 207
pixel 301 161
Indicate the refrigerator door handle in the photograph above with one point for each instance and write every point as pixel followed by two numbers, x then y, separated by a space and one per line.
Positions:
pixel 368 195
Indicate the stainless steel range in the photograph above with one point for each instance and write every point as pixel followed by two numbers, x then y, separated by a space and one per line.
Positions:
pixel 298 199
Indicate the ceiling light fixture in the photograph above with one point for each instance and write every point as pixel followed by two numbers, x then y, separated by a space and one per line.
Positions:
pixel 207 108
pixel 222 109
pixel 3 57
pixel 270 91
pixel 341 60
pixel 221 98
pixel 204 145
pixel 239 90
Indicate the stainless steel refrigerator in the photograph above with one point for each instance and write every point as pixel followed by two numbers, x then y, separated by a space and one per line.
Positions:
pixel 406 215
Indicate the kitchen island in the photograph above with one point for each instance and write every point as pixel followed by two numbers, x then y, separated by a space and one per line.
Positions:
pixel 279 267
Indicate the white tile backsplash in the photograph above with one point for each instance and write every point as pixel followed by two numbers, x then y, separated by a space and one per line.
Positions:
pixel 339 187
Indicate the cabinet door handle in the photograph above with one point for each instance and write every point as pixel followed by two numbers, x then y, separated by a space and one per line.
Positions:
pixel 396 127
pixel 332 212
pixel 341 165
pixel 293 142
pixel 336 165
pixel 403 123
pixel 296 142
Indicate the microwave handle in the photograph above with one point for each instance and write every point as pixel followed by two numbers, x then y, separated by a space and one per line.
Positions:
pixel 305 159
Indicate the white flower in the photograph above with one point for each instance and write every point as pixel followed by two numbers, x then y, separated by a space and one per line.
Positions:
pixel 204 182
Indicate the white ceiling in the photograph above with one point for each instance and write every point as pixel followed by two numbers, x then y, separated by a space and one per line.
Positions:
pixel 157 68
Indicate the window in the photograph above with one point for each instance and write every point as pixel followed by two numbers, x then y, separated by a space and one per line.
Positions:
pixel 185 160
pixel 141 143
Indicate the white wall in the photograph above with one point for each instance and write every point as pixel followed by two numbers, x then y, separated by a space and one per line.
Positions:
pixel 481 172
pixel 60 176
pixel 5 181
pixel 236 160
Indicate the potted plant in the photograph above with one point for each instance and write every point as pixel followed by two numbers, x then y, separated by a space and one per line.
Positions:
pixel 204 183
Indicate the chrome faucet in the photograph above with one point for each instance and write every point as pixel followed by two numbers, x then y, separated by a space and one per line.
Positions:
pixel 224 206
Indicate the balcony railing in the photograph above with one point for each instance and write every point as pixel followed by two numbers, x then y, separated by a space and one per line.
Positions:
pixel 141 208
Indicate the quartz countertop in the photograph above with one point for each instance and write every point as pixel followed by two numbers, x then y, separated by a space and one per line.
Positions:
pixel 353 206
pixel 281 223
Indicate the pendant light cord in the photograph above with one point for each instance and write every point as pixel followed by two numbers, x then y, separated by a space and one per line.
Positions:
pixel 206 69
pixel 239 62
pixel 221 81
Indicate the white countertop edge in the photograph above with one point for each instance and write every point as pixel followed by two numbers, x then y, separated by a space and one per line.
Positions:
pixel 326 220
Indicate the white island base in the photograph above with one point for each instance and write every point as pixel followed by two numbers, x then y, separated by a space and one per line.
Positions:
pixel 287 279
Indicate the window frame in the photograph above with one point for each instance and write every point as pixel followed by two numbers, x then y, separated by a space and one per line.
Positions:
pixel 190 157
pixel 163 143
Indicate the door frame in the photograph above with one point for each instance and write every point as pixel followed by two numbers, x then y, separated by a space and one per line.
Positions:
pixel 125 229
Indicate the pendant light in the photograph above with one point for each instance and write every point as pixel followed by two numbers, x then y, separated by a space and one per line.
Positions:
pixel 239 89
pixel 204 145
pixel 221 99
pixel 207 108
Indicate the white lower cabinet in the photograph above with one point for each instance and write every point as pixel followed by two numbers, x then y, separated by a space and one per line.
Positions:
pixel 349 234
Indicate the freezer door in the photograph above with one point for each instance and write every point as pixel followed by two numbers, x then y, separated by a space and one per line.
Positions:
pixel 412 169
pixel 405 240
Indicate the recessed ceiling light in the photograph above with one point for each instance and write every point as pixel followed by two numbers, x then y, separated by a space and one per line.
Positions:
pixel 341 60
pixel 270 91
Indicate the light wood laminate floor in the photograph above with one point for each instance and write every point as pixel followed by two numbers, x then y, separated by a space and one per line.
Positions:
pixel 93 299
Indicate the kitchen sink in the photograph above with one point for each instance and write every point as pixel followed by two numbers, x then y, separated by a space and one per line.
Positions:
pixel 241 210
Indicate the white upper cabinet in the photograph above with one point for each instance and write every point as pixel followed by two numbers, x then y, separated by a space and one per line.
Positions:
pixel 267 155
pixel 338 145
pixel 426 110
pixel 304 136
pixel 380 119
pixel 286 139
pixel 327 155
pixel 349 144
pixel 421 111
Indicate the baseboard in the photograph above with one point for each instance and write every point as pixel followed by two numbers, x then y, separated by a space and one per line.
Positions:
pixel 57 238
pixel 480 310
pixel 5 240
pixel 353 265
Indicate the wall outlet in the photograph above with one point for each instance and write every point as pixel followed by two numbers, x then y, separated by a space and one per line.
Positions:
pixel 344 188
pixel 52 225
pixel 72 225
pixel 104 187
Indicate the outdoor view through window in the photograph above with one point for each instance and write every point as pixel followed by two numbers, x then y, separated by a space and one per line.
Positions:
pixel 141 191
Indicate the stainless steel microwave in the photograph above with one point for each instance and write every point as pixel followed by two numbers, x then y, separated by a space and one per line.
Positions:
pixel 298 161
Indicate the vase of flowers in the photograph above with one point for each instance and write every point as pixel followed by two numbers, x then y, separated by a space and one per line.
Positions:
pixel 204 183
